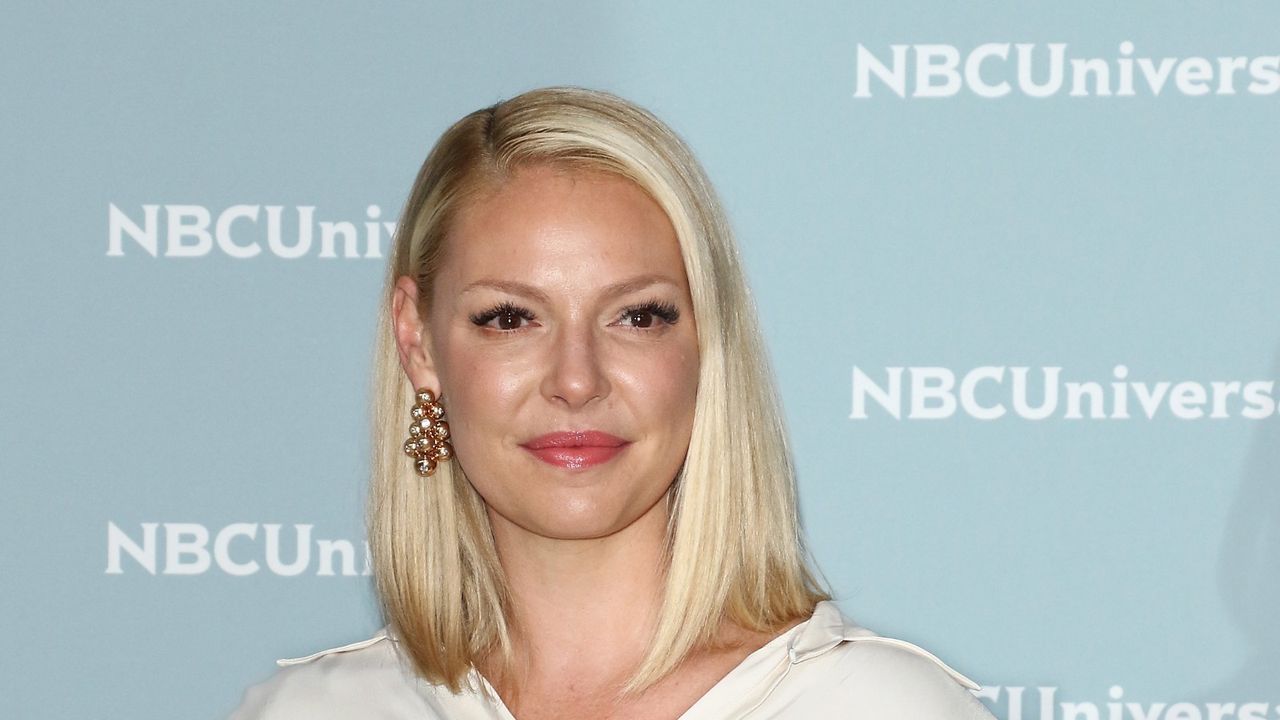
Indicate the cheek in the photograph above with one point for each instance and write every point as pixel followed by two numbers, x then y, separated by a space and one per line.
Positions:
pixel 665 384
pixel 684 374
pixel 481 389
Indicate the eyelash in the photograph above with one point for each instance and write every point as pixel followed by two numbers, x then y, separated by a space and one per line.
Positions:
pixel 664 311
pixel 503 308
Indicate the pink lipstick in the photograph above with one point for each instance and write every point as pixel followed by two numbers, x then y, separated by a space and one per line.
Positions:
pixel 575 450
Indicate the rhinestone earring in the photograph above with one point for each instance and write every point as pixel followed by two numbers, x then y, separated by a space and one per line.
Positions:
pixel 428 434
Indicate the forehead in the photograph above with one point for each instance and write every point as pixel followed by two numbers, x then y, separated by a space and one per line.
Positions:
pixel 554 226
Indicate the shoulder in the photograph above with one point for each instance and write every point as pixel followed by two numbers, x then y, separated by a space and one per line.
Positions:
pixel 853 672
pixel 363 679
pixel 888 678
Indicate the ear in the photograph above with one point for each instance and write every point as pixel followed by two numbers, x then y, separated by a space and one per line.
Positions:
pixel 409 329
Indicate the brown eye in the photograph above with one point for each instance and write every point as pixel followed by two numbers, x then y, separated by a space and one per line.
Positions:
pixel 640 318
pixel 509 320
pixel 649 316
pixel 505 317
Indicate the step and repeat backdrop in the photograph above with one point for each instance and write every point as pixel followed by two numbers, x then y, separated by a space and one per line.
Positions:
pixel 1018 265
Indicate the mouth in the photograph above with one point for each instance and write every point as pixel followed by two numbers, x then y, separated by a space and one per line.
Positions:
pixel 575 450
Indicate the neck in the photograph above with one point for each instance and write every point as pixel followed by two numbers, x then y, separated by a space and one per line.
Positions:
pixel 587 606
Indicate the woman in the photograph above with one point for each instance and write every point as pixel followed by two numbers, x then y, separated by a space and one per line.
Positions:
pixel 592 514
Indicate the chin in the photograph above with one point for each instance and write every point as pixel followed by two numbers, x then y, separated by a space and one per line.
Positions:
pixel 596 506
pixel 579 524
pixel 583 516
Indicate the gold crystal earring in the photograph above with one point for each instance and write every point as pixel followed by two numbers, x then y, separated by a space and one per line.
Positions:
pixel 428 434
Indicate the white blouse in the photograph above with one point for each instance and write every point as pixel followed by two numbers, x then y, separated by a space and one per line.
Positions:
pixel 825 667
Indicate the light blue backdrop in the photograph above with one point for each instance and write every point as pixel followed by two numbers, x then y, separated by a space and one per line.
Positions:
pixel 956 232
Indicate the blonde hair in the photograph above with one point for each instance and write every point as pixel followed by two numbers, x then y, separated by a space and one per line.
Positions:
pixel 734 550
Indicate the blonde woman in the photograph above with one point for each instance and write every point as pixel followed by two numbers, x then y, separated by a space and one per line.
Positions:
pixel 583 503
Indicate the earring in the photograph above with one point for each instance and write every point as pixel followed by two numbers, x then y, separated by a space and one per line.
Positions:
pixel 428 434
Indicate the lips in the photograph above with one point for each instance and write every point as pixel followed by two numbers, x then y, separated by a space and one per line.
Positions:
pixel 575 450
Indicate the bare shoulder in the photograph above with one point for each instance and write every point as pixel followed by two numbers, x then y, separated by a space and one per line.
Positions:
pixel 364 679
pixel 885 678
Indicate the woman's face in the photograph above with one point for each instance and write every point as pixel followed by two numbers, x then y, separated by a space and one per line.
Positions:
pixel 561 333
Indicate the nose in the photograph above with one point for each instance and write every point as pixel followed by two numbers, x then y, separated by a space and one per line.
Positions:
pixel 575 372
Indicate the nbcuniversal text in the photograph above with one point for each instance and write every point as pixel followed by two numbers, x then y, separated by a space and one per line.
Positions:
pixel 999 69
pixel 992 392
pixel 237 549
pixel 1042 703
pixel 242 232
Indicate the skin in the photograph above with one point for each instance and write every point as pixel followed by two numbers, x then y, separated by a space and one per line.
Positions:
pixel 582 257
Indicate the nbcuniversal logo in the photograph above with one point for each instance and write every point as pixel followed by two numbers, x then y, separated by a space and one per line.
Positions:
pixel 1015 703
pixel 992 392
pixel 998 69
pixel 237 549
pixel 244 231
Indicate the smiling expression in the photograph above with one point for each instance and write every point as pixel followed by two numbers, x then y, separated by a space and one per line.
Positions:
pixel 561 330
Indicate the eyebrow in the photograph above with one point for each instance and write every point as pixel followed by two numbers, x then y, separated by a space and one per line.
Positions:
pixel 526 290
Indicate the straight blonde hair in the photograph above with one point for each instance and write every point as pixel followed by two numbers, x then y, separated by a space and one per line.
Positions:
pixel 734 550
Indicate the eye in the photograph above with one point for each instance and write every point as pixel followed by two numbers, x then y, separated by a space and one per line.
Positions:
pixel 504 316
pixel 644 316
